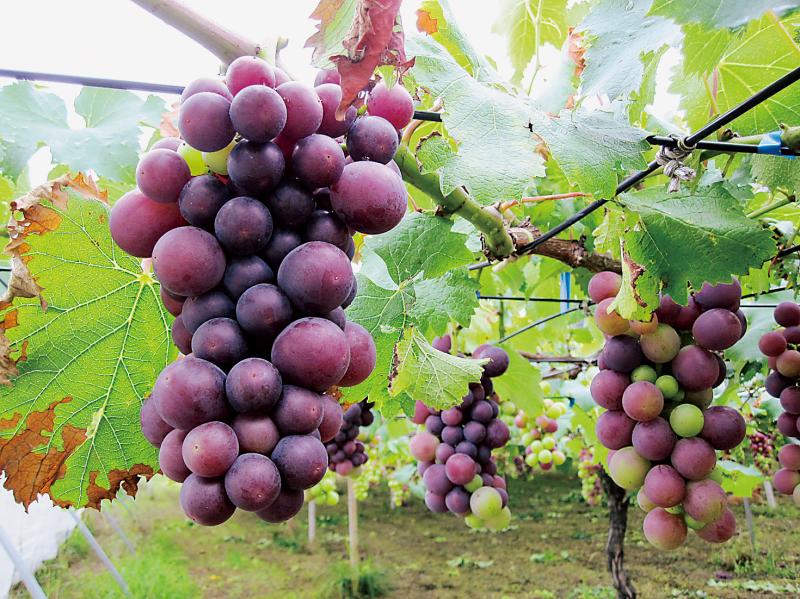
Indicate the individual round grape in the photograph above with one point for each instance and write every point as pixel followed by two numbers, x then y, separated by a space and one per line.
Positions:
pixel 457 501
pixel 243 272
pixel 170 456
pixel 614 429
pixel 776 383
pixel 205 123
pixel 702 399
pixel 200 200
pixel 604 285
pixel 193 158
pixel 608 321
pixel 395 104
pixel 434 424
pixel 686 420
pixel 436 480
pixel 330 95
pixel 645 372
pixel 256 167
pixel 786 480
pixel 204 500
pixel 316 277
pixel 173 303
pixel 628 469
pixel 317 160
pixel 664 487
pixel 622 353
pixel 220 341
pixel 642 401
pixel 253 384
pixel 298 411
pixel 474 432
pixel 206 84
pixel 181 337
pixel 210 449
pixel 717 329
pixel 303 109
pixel 772 344
pixel 258 113
pixel 694 458
pixel 792 335
pixel 137 222
pixel 290 204
pixel 695 368
pixel 217 162
pixel 687 315
pixel 705 500
pixel 161 174
pixel 253 482
pixel 498 359
pixel 497 434
pixel 663 530
pixel 722 295
pixel 789 457
pixel 202 308
pixel 263 311
pixel 326 226
pixel 787 314
pixel 720 530
pixel 645 327
pixel 452 435
pixel 243 226
pixel 421 412
pixel 788 424
pixel 607 388
pixel 643 501
pixel 327 76
pixel 654 439
pixel 482 411
pixel 723 427
pixel 337 316
pixel 312 352
pixel 452 417
pixel 667 311
pixel 662 345
pixel 460 469
pixel 301 460
pixel 189 392
pixel 362 355
pixel 369 197
pixel 372 138
pixel 788 363
pixel 188 261
pixel 443 452
pixel 154 428
pixel 280 244
pixel 790 400
pixel 723 371
pixel 435 503
pixel 256 432
pixel 331 418
pixel 247 71
pixel 285 507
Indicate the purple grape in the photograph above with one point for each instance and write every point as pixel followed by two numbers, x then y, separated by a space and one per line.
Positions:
pixel 188 261
pixel 790 399
pixel 210 449
pixel 787 314
pixel 497 434
pixel 326 226
pixel 220 341
pixel 607 388
pixel 243 272
pixel 436 481
pixel 258 113
pixel 369 198
pixel 243 226
pixel 161 174
pixel 200 200
pixel 256 432
pixel 205 123
pixel 170 456
pixel 338 317
pixel 693 458
pixel 442 344
pixel 173 303
pixel 467 448
pixel 137 222
pixel 695 368
pixel 330 95
pixel 285 507
pixel 303 109
pixel 723 427
pixel 206 84
pixel 474 432
pixel 664 486
pixel 482 411
pixel 204 500
pixel 452 435
pixel 190 392
pixel 687 315
pixel 434 425
pixel 614 429
pixel 435 503
pixel 290 204
pixel 771 344
pixel 395 104
pixel 298 411
pixel 247 71
pixel 362 355
pixel 653 440
pixel 263 311
pixel 498 359
pixel 301 460
pixel 352 295
pixel 167 143
pixel 154 428
pixel 256 167
pixel 372 138
pixel 280 244
pixel 622 353
pixel 717 329
pixel 253 384
pixel 253 482
pixel 317 277
pixel 443 451
pixel 452 417
pixel 181 337
pixel 317 160
pixel 331 418
pixel 776 383
pixel 722 295
pixel 327 76
pixel 202 308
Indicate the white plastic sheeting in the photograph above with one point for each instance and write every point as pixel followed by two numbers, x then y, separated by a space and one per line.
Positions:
pixel 36 534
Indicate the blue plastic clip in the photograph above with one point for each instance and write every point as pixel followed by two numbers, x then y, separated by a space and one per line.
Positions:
pixel 771 144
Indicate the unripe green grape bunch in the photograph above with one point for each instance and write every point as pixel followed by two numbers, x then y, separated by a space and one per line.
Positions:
pixel 248 220
pixel 538 436
pixel 656 384
pixel 324 492
pixel 588 473
pixel 782 348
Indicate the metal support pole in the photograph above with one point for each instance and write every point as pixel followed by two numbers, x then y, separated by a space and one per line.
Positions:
pixel 101 554
pixel 28 579
pixel 113 523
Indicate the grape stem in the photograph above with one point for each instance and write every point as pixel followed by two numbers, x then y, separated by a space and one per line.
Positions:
pixel 618 503
pixel 503 206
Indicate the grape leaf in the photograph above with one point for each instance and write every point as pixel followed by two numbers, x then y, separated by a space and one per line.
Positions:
pixel 703 49
pixel 449 298
pixel 496 157
pixel 739 480
pixel 620 32
pixel 436 378
pixel 108 143
pixel 527 25
pixel 521 384
pixel 776 171
pixel 689 237
pixel 592 146
pixel 335 18
pixel 646 93
pixel 719 13
pixel 83 336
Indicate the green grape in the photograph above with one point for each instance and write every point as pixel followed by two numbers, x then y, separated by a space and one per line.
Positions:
pixel 218 161
pixel 193 158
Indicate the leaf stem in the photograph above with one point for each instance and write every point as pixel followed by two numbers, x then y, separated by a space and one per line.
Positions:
pixel 770 207
pixel 533 199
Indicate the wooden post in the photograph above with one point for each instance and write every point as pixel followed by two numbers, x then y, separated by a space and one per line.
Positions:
pixel 312 522
pixel 618 503
pixel 770 494
pixel 352 529
pixel 748 515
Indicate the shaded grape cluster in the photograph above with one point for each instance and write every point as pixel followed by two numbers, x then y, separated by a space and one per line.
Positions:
pixel 656 383
pixel 248 220
pixel 455 449
pixel 538 436
pixel 782 348
pixel 345 451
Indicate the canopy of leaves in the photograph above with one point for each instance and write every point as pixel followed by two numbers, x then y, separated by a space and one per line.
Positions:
pixel 719 13
pixel 82 337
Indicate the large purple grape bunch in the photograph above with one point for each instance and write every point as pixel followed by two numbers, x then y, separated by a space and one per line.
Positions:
pixel 455 450
pixel 249 221
pixel 782 348
pixel 345 451
pixel 656 383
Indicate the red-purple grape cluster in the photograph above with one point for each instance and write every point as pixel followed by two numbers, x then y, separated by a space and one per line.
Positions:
pixel 782 348
pixel 345 451
pixel 656 383
pixel 455 450
pixel 762 449
pixel 249 222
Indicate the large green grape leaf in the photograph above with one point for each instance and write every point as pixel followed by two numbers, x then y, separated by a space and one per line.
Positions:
pixel 776 171
pixel 592 146
pixel 108 143
pixel 413 277
pixel 620 32
pixel 703 49
pixel 496 157
pixel 83 336
pixel 521 384
pixel 527 25
pixel 689 237
pixel 719 13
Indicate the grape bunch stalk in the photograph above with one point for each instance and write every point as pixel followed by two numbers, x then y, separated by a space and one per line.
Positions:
pixel 656 383
pixel 345 452
pixel 455 450
pixel 248 220
pixel 782 348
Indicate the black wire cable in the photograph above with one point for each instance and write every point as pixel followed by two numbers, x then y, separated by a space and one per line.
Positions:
pixel 787 251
